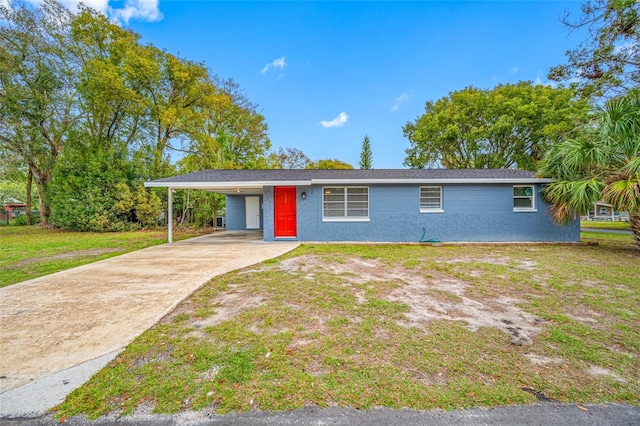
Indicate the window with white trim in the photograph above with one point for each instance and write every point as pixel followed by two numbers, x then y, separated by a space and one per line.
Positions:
pixel 431 199
pixel 524 198
pixel 345 203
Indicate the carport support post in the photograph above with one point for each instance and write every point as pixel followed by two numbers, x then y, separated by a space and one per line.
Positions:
pixel 170 214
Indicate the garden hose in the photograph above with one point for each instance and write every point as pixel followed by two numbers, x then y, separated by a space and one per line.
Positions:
pixel 430 240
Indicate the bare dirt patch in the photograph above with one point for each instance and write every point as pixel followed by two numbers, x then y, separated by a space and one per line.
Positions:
pixel 543 360
pixel 584 319
pixel 67 255
pixel 527 265
pixel 437 297
pixel 315 368
pixel 228 304
pixel 600 371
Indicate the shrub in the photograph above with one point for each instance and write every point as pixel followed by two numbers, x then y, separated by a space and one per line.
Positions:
pixel 93 192
pixel 19 220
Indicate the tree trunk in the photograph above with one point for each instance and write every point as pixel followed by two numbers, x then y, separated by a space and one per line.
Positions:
pixel 158 156
pixel 29 184
pixel 42 181
pixel 635 227
pixel 185 209
pixel 157 162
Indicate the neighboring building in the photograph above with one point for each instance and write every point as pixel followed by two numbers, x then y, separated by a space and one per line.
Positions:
pixel 11 209
pixel 467 205
pixel 605 212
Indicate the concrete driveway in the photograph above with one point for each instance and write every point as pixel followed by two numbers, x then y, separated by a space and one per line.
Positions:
pixel 57 330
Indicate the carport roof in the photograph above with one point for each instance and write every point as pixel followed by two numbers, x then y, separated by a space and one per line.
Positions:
pixel 224 180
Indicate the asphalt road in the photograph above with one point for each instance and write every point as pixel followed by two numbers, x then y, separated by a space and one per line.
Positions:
pixel 528 415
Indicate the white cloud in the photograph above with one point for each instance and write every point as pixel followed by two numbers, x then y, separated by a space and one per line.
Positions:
pixel 277 63
pixel 100 5
pixel 404 97
pixel 514 70
pixel 142 10
pixel 336 122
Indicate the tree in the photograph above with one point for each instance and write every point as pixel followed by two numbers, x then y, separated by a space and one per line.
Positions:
pixel 37 87
pixel 291 158
pixel 93 175
pixel 607 62
pixel 366 157
pixel 109 91
pixel 329 164
pixel 234 129
pixel 603 164
pixel 178 93
pixel 510 126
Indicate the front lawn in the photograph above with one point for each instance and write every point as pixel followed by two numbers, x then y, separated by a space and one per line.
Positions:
pixel 31 251
pixel 395 326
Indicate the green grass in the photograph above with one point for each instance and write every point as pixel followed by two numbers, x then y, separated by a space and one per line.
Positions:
pixel 626 226
pixel 31 251
pixel 321 338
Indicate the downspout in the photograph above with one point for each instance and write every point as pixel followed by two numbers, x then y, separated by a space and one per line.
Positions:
pixel 170 214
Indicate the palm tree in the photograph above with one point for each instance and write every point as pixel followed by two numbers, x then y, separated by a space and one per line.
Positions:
pixel 604 164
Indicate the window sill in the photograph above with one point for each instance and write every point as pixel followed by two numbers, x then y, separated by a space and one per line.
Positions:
pixel 432 211
pixel 346 219
pixel 525 210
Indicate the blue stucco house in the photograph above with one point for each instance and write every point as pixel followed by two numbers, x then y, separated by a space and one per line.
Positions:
pixel 392 205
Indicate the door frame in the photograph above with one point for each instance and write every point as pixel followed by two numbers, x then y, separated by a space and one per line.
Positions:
pixel 293 190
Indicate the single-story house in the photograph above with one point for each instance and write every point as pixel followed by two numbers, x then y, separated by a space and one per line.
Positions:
pixel 604 211
pixel 394 205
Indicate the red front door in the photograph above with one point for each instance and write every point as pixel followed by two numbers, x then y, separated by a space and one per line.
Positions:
pixel 285 211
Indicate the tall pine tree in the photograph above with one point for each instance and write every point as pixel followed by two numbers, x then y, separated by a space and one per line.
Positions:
pixel 366 157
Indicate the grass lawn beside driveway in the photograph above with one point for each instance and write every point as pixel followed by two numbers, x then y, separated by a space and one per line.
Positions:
pixel 624 226
pixel 395 326
pixel 31 251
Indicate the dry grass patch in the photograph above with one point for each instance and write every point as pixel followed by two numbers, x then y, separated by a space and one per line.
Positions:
pixel 395 326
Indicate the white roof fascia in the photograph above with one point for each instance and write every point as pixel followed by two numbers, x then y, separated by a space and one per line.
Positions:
pixel 429 181
pixel 217 184
pixel 253 184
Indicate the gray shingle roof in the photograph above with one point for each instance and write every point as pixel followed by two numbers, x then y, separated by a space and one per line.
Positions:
pixel 227 176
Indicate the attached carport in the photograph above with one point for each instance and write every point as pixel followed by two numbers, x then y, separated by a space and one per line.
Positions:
pixel 228 188
pixel 227 182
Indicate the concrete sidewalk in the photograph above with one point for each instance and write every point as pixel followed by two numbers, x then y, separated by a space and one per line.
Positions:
pixel 57 330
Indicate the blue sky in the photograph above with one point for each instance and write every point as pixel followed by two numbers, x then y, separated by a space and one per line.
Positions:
pixel 327 73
